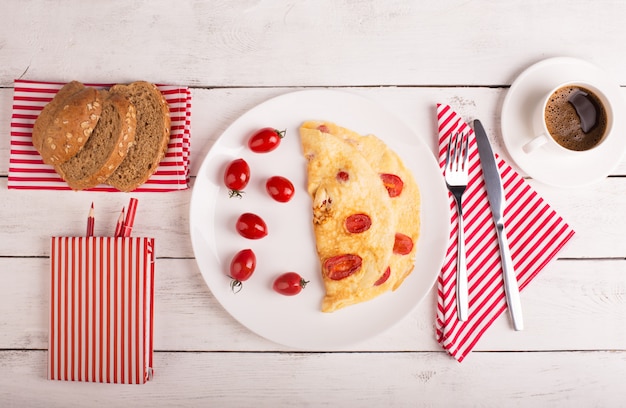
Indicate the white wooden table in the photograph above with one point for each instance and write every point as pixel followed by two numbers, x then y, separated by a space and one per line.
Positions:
pixel 408 55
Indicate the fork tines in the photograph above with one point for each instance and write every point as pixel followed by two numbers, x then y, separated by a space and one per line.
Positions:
pixel 456 154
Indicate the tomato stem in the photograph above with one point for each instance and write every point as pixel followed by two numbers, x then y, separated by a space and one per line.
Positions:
pixel 235 193
pixel 281 133
pixel 303 283
pixel 235 285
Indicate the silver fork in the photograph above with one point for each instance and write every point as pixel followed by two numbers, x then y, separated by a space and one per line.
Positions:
pixel 456 175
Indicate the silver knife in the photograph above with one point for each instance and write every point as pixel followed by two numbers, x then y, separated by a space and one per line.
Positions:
pixel 495 194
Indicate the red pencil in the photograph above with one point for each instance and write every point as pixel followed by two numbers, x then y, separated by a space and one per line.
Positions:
pixel 130 218
pixel 90 222
pixel 120 224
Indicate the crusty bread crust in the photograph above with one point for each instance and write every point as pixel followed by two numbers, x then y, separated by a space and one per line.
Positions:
pixel 46 117
pixel 106 148
pixel 65 124
pixel 151 137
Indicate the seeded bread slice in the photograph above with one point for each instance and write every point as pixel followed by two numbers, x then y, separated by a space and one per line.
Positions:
pixel 152 135
pixel 65 124
pixel 107 146
pixel 46 117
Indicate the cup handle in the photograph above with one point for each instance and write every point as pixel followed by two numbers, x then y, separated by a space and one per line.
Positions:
pixel 535 143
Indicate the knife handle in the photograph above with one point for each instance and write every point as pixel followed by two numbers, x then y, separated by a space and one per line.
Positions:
pixel 511 288
pixel 462 293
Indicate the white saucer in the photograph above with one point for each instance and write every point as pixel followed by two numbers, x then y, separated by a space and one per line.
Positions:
pixel 543 164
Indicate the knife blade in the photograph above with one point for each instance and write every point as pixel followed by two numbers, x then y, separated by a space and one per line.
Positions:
pixel 495 195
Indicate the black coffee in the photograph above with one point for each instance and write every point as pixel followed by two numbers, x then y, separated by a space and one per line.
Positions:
pixel 576 118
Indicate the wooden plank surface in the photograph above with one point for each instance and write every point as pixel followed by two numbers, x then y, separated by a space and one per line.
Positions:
pixel 314 43
pixel 594 212
pixel 566 308
pixel 405 55
pixel 553 379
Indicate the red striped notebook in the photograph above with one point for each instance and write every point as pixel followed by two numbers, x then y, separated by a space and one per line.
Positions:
pixel 101 309
pixel 535 231
pixel 27 170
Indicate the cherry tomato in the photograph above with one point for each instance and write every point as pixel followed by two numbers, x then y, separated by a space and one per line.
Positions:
pixel 236 176
pixel 251 226
pixel 279 188
pixel 289 284
pixel 357 223
pixel 341 266
pixel 384 277
pixel 342 176
pixel 403 244
pixel 265 140
pixel 241 268
pixel 393 184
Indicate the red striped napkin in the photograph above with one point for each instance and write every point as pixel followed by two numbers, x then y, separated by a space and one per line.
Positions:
pixel 536 234
pixel 27 170
pixel 101 309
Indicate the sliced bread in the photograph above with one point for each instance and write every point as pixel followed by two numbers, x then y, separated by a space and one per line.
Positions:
pixel 107 146
pixel 65 124
pixel 47 115
pixel 152 135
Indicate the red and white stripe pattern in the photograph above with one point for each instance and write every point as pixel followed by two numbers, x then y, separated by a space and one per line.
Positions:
pixel 101 309
pixel 536 233
pixel 27 170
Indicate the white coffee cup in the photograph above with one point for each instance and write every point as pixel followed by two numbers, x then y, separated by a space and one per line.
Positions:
pixel 545 140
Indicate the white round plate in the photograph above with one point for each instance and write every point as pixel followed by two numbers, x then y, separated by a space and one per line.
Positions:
pixel 297 321
pixel 543 163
